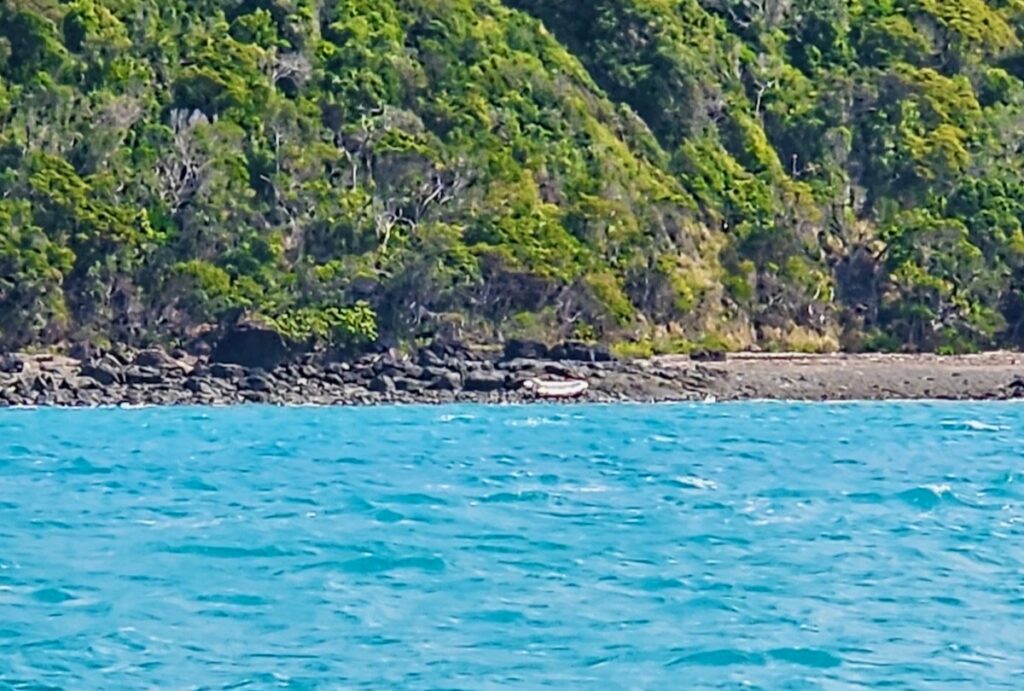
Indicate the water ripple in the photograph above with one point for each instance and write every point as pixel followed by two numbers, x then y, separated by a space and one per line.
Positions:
pixel 711 546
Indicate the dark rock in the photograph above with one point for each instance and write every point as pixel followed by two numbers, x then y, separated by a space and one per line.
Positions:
pixel 11 364
pixel 335 379
pixel 44 382
pixel 520 364
pixel 560 370
pixel 198 385
pixel 413 371
pixel 200 349
pixel 63 398
pixel 81 383
pixel 706 355
pixel 224 371
pixel 257 382
pixel 390 371
pixel 334 368
pixel 307 371
pixel 143 375
pixel 115 357
pixel 397 367
pixel 158 359
pixel 484 382
pixel 452 349
pixel 364 373
pixel 103 372
pixel 527 350
pixel 287 372
pixel 431 373
pixel 447 381
pixel 82 351
pixel 250 345
pixel 409 385
pixel 382 384
pixel 23 388
pixel 428 358
pixel 516 380
pixel 580 352
pixel 386 363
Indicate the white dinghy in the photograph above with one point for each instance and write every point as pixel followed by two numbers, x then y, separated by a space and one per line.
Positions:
pixel 546 388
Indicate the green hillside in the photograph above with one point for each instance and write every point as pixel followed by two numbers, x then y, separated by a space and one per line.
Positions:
pixel 658 174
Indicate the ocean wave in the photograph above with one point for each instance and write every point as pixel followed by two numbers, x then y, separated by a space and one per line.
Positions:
pixel 973 426
pixel 694 482
pixel 537 422
pixel 733 657
pixel 927 496
pixel 639 538
pixel 461 417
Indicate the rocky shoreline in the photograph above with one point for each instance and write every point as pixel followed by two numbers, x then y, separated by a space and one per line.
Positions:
pixel 436 374
pixel 446 373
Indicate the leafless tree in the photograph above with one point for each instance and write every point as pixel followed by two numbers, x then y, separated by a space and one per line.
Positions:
pixel 186 170
pixel 747 13
pixel 295 67
pixel 763 81
pixel 108 128
pixel 408 207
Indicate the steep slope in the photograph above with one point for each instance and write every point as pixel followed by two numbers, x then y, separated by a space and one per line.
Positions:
pixel 792 173
pixel 169 164
pixel 860 155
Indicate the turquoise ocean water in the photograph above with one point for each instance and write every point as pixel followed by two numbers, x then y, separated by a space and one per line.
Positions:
pixel 769 546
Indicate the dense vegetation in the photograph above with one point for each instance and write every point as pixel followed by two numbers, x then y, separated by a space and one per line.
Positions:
pixel 805 174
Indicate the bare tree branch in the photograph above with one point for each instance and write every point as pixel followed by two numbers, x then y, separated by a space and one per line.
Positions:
pixel 186 170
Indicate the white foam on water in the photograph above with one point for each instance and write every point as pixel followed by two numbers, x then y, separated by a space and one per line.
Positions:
pixel 591 489
pixel 537 422
pixel 697 482
pixel 974 426
pixel 456 418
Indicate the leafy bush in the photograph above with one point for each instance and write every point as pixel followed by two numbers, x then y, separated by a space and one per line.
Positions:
pixel 342 327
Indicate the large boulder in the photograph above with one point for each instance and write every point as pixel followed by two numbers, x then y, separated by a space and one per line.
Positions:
pixel 446 381
pixel 409 385
pixel 220 370
pixel 428 358
pixel 451 348
pixel 521 364
pixel 158 359
pixel 105 371
pixel 11 364
pixel 580 352
pixel 139 375
pixel 252 346
pixel 708 355
pixel 516 349
pixel 382 384
pixel 484 382
pixel 199 385
pixel 257 382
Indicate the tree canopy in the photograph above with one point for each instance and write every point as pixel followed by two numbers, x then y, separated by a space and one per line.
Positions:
pixel 791 174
